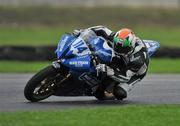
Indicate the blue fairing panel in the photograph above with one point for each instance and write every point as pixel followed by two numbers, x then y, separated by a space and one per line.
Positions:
pixel 102 49
pixel 152 46
pixel 77 48
pixel 63 45
pixel 82 63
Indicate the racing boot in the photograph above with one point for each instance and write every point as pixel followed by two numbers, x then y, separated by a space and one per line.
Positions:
pixel 101 94
pixel 119 92
pixel 105 89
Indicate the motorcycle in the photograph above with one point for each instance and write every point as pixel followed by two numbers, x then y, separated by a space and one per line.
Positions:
pixel 74 72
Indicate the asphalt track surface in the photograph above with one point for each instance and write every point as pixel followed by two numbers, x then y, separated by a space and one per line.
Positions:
pixel 154 89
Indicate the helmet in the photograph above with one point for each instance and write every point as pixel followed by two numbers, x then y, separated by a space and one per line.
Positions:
pixel 124 41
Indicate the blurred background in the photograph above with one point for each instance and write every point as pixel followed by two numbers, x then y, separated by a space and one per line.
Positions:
pixel 32 24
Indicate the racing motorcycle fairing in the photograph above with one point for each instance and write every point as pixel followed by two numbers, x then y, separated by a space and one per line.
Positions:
pixel 102 49
pixel 81 63
pixel 75 52
pixel 63 45
pixel 152 46
pixel 78 48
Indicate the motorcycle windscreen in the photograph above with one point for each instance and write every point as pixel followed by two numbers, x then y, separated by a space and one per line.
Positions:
pixel 63 45
pixel 152 46
pixel 102 49
pixel 82 63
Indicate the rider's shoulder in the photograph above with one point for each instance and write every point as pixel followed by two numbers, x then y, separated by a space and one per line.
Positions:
pixel 97 27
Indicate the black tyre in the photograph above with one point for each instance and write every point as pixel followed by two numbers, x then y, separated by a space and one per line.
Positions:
pixel 41 85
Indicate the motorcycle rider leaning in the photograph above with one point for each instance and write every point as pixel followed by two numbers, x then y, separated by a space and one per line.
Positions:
pixel 129 63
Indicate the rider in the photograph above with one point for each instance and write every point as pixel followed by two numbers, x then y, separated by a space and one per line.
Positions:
pixel 129 63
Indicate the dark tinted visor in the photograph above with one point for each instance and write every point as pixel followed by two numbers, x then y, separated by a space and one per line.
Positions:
pixel 122 50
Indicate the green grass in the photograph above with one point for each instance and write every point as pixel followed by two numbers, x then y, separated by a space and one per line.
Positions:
pixel 35 35
pixel 84 16
pixel 144 115
pixel 45 25
pixel 164 66
pixel 43 35
pixel 156 66
pixel 167 36
pixel 21 67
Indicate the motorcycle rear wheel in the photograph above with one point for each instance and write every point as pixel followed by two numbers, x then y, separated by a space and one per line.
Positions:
pixel 41 85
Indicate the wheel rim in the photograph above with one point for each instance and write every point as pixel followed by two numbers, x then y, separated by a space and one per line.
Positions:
pixel 46 87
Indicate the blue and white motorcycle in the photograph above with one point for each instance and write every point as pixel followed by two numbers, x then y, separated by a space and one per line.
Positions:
pixel 74 72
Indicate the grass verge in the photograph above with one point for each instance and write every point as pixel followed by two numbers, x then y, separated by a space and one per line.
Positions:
pixel 139 115
pixel 21 67
pixel 31 36
pixel 156 66
pixel 164 66
pixel 43 35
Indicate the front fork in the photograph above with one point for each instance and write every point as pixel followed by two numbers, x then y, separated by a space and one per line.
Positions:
pixel 62 70
pixel 57 64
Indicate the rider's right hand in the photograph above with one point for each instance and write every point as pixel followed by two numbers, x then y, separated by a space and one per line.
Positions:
pixel 105 69
pixel 101 67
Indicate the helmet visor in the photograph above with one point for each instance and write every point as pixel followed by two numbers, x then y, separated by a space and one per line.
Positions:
pixel 122 46
pixel 123 43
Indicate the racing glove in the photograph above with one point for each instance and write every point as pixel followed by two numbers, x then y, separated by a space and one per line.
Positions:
pixel 77 32
pixel 114 74
pixel 105 69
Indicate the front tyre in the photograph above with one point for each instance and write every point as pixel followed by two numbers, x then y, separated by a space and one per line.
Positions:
pixel 41 85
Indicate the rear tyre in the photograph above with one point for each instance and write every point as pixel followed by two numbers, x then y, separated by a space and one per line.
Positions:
pixel 41 85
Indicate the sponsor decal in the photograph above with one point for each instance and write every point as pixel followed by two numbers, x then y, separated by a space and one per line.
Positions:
pixel 78 63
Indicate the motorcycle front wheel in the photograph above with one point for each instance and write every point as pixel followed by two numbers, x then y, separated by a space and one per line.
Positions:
pixel 42 84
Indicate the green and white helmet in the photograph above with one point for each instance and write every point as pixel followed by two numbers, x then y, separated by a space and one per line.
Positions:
pixel 124 41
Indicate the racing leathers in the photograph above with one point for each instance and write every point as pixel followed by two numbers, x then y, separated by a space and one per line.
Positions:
pixel 124 69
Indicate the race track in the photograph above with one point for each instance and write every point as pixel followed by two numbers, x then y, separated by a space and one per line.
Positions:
pixel 154 89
